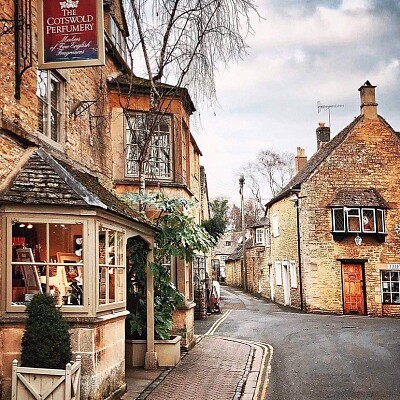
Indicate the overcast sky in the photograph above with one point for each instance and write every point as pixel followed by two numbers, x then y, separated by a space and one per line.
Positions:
pixel 301 53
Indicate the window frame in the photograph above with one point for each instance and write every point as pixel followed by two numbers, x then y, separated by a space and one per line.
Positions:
pixel 390 291
pixel 378 219
pixel 118 40
pixel 128 134
pixel 278 273
pixel 259 236
pixel 116 304
pixel 47 107
pixel 275 225
pixel 23 217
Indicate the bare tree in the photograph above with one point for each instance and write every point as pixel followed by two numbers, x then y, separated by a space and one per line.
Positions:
pixel 182 44
pixel 267 176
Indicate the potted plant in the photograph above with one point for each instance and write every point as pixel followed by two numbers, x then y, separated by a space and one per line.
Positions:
pixel 166 298
pixel 46 353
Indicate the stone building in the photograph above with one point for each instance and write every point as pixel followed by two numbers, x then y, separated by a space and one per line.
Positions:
pixel 175 167
pixel 61 222
pixel 334 229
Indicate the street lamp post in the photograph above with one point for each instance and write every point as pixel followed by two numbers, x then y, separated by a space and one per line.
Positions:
pixel 244 265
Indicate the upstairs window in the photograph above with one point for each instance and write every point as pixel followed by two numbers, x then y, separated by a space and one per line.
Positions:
pixel 347 220
pixel 158 163
pixel 260 236
pixel 275 225
pixel 118 40
pixel 49 91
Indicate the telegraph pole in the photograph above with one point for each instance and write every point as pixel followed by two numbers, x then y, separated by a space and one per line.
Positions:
pixel 244 265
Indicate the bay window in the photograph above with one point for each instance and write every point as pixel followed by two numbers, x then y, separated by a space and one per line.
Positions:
pixel 158 162
pixel 47 257
pixel 368 220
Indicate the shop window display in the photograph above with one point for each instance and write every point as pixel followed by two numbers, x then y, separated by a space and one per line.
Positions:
pixel 47 258
pixel 111 266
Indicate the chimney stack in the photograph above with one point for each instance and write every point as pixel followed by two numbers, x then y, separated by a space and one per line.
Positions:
pixel 323 135
pixel 369 108
pixel 300 160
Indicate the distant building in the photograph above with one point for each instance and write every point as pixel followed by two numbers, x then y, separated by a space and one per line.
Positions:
pixel 335 228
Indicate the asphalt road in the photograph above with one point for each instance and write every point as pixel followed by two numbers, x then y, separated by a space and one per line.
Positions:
pixel 317 356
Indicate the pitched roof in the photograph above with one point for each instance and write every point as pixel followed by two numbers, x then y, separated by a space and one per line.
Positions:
pixel 315 161
pixel 44 180
pixel 358 197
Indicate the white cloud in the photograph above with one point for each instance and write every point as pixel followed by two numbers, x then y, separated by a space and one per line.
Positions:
pixel 301 53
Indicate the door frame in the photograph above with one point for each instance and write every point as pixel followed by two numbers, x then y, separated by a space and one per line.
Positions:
pixel 286 283
pixel 361 263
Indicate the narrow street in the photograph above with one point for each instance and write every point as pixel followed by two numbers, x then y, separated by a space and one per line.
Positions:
pixel 316 356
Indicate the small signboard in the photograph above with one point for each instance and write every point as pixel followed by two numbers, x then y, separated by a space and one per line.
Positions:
pixel 70 33
pixel 393 266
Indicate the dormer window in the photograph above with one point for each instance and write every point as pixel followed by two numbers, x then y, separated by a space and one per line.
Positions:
pixel 347 220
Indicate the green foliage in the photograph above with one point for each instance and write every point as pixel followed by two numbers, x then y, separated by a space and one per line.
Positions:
pixel 217 224
pixel 178 235
pixel 46 342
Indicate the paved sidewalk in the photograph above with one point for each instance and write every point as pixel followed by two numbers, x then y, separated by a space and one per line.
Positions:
pixel 216 368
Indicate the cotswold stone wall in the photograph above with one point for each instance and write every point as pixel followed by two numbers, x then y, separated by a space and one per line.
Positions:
pixel 86 137
pixel 367 158
pixel 283 249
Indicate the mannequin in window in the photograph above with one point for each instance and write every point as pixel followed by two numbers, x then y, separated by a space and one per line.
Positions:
pixel 366 223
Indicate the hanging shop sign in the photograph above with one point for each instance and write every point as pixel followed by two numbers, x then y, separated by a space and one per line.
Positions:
pixel 71 33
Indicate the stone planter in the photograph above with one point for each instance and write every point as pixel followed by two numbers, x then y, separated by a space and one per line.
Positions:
pixel 43 383
pixel 168 352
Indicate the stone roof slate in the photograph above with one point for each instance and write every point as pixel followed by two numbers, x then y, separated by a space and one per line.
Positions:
pixel 44 180
pixel 365 197
pixel 315 161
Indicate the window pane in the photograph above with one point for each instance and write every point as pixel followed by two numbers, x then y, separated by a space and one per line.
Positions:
pixel 112 266
pixel 51 266
pixel 338 220
pixel 390 286
pixel 158 162
pixel 368 220
pixel 353 218
pixel 380 225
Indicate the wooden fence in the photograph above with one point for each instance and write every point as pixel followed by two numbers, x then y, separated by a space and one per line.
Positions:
pixel 46 384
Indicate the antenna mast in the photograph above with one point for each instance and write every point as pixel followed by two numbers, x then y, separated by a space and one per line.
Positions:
pixel 328 107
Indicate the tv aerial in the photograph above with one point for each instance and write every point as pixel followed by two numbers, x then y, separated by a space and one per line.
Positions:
pixel 328 107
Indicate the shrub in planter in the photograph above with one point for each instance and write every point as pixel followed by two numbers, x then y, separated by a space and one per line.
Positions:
pixel 46 342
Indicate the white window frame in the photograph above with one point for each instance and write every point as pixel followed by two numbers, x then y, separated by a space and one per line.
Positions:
pixel 259 236
pixel 340 211
pixel 389 283
pixel 373 220
pixel 293 274
pixel 278 273
pixel 353 217
pixel 119 255
pixel 275 225
pixel 44 95
pixel 267 237
pixel 382 212
pixel 133 131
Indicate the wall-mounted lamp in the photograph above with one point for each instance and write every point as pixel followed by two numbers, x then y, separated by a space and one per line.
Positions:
pixel 358 240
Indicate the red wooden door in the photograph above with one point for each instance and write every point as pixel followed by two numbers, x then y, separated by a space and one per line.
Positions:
pixel 353 289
